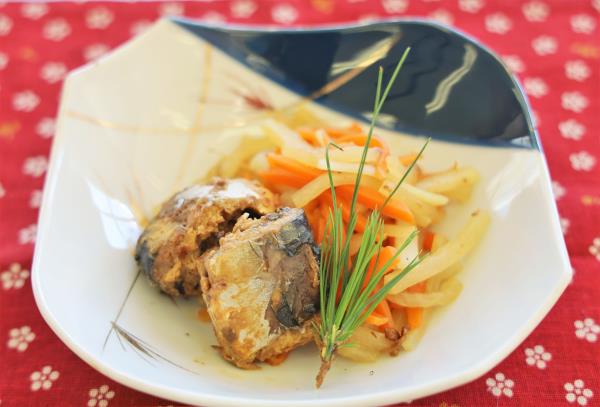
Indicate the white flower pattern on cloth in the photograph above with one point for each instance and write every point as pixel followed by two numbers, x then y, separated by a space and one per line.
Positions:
pixel 3 60
pixel 284 13
pixel 514 63
pixel 394 6
pixel 5 25
pixel 35 199
pixel 35 166
pixel 537 356
pixel 242 8
pixel 14 277
pixel 34 11
pixel 27 234
pixel 2 190
pixel 498 23
pixel 98 18
pixel 56 30
pixel 583 24
pixel 535 87
pixel 25 101
pixel 139 27
pixel 594 248
pixel 442 16
pixel 577 392
pixel 582 161
pixel 20 338
pixel 46 127
pixel 95 51
pixel 558 190
pixel 587 329
pixel 535 11
pixel 171 9
pixel 500 385
pixel 564 225
pixel 571 129
pixel 596 5
pixel 577 70
pixel 100 396
pixel 213 17
pixel 43 379
pixel 544 45
pixel 574 101
pixel 470 6
pixel 53 72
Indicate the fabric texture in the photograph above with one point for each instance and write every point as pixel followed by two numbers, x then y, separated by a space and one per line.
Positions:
pixel 552 45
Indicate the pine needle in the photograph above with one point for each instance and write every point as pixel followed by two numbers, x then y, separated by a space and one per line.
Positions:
pixel 340 319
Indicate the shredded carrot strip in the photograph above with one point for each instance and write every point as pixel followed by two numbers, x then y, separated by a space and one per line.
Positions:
pixel 361 139
pixel 407 159
pixel 373 199
pixel 323 215
pixel 386 253
pixel 313 219
pixel 336 133
pixel 428 237
pixel 384 308
pixel 393 305
pixel 376 319
pixel 280 176
pixel 414 315
pixel 417 288
pixel 279 161
pixel 310 136
pixel 355 127
pixel 361 220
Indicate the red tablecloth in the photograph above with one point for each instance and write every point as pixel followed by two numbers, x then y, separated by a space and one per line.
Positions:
pixel 553 46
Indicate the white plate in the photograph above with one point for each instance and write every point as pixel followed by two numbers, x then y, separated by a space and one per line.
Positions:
pixel 131 132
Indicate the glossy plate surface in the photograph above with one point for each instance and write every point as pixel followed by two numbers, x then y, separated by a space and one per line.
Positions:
pixel 151 117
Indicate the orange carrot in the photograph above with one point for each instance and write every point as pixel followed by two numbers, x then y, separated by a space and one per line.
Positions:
pixel 323 215
pixel 414 315
pixel 385 254
pixel 417 288
pixel 355 127
pixel 279 161
pixel 311 137
pixel 428 237
pixel 376 319
pixel 361 220
pixel 337 133
pixel 384 308
pixel 407 159
pixel 280 176
pixel 361 140
pixel 313 218
pixel 373 199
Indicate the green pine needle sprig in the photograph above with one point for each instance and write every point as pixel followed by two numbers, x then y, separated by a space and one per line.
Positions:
pixel 341 316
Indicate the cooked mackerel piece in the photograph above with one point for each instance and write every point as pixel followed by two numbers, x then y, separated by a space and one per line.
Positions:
pixel 191 222
pixel 261 287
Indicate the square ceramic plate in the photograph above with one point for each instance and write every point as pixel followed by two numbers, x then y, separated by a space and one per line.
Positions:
pixel 150 118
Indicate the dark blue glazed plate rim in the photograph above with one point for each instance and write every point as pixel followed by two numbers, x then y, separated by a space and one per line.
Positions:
pixel 451 87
